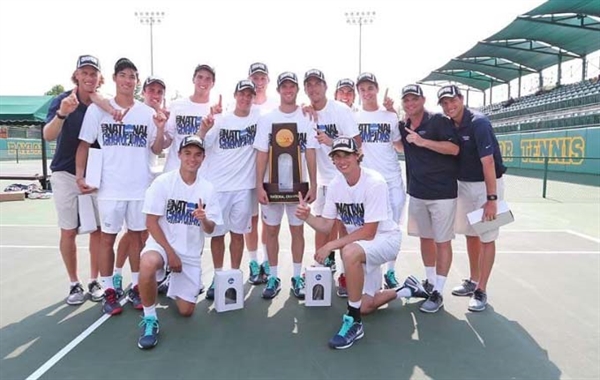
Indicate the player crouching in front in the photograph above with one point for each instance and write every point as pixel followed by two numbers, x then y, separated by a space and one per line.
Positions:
pixel 176 205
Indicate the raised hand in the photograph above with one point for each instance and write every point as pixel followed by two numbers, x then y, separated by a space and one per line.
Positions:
pixel 388 103
pixel 160 119
pixel 217 108
pixel 69 103
pixel 164 109
pixel 119 115
pixel 303 209
pixel 309 110
pixel 200 213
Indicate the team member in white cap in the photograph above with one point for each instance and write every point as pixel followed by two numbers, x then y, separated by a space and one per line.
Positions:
pixel 181 207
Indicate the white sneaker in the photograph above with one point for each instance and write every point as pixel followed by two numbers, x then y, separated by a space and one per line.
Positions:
pixel 76 295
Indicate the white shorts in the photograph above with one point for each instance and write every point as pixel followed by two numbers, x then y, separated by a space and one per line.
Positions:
pixel 432 218
pixel 114 213
pixel 254 201
pixel 397 198
pixel 65 192
pixel 472 196
pixel 272 214
pixel 186 284
pixel 382 249
pixel 237 212
pixel 319 203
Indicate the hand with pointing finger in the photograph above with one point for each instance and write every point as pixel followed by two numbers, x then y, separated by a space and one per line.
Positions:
pixel 388 103
pixel 303 208
pixel 217 108
pixel 322 137
pixel 414 138
pixel 69 104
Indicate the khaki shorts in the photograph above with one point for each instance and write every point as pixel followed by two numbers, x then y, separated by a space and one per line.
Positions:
pixel 432 218
pixel 64 193
pixel 472 196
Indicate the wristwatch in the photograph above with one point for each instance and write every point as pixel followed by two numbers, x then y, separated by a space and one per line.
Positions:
pixel 492 197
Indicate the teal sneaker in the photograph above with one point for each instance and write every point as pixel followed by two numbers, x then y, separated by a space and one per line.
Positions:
pixel 349 333
pixel 265 271
pixel 390 279
pixel 149 336
pixel 118 285
pixel 255 273
pixel 298 287
pixel 273 287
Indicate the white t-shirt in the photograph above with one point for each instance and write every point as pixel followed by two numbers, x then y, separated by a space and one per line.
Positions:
pixel 174 201
pixel 335 119
pixel 184 120
pixel 126 150
pixel 365 202
pixel 379 130
pixel 230 162
pixel 306 139
pixel 269 105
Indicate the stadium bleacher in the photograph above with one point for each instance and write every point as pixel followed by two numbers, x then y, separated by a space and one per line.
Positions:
pixel 566 106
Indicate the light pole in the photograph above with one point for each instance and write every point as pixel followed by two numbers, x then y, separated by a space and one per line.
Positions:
pixel 150 18
pixel 360 19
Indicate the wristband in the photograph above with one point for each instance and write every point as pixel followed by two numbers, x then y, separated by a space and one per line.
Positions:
pixel 492 197
pixel 61 117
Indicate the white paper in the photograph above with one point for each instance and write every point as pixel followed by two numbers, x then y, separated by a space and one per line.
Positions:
pixel 503 217
pixel 87 215
pixel 93 170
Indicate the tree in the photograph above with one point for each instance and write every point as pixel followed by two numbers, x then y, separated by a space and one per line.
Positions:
pixel 55 90
pixel 138 92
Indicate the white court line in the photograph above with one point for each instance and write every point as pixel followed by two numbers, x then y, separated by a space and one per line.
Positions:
pixel 69 347
pixel 584 236
pixel 28 225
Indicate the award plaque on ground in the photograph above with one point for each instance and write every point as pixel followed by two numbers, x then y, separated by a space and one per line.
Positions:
pixel 285 171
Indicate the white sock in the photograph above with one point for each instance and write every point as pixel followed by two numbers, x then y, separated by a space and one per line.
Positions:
pixel 135 278
pixel 150 311
pixel 297 269
pixel 265 257
pixel 274 272
pixel 106 282
pixel 403 293
pixel 118 271
pixel 340 265
pixel 391 265
pixel 439 284
pixel 431 275
pixel 74 283
pixel 355 305
pixel 253 255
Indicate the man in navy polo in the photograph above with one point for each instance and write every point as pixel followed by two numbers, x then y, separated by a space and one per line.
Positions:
pixel 63 124
pixel 480 185
pixel 430 146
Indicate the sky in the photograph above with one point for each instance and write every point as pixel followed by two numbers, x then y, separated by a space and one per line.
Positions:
pixel 41 39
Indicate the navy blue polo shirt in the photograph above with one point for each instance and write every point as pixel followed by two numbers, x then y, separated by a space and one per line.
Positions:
pixel 431 175
pixel 68 138
pixel 477 140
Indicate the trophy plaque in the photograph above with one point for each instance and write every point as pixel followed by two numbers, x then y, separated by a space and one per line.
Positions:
pixel 285 171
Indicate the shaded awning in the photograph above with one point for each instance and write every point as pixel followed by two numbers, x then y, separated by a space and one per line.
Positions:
pixel 24 110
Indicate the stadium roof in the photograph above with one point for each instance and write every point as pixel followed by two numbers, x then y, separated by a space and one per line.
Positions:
pixel 556 31
pixel 24 110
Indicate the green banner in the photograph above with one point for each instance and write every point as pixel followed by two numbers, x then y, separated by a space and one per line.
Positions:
pixel 571 150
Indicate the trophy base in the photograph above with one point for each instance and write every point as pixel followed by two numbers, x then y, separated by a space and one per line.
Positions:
pixel 287 196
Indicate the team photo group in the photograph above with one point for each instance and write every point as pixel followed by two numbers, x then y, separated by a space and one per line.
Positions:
pixel 219 157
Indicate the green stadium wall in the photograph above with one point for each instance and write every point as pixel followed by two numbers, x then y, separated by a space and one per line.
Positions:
pixel 28 149
pixel 570 150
